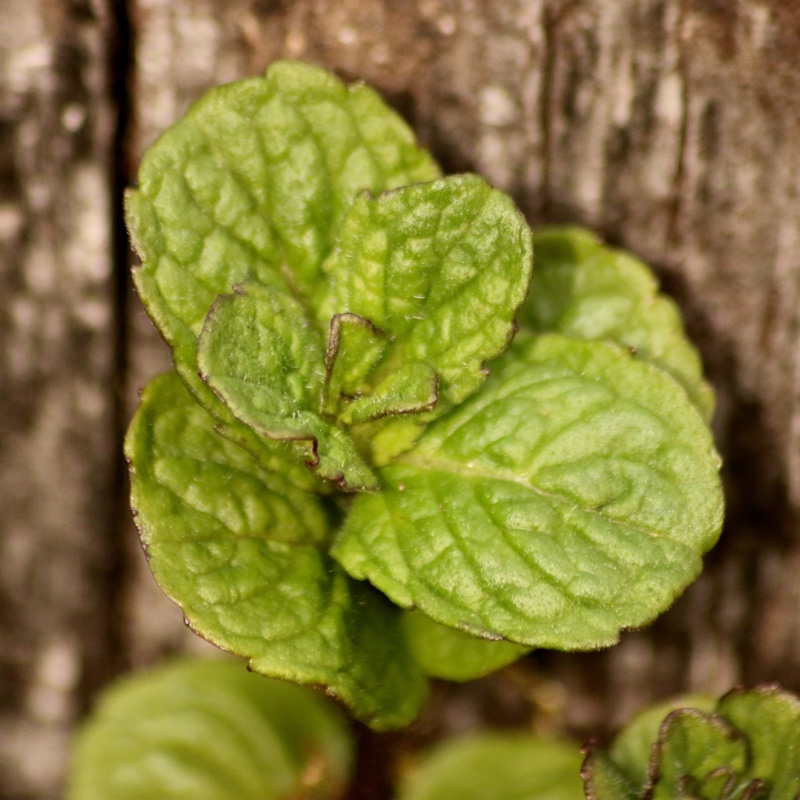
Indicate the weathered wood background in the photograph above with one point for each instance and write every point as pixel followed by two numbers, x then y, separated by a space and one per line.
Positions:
pixel 672 126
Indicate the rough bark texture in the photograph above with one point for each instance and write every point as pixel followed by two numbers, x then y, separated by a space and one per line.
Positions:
pixel 669 125
pixel 58 439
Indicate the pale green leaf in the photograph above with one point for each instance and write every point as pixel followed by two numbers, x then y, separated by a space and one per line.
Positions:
pixel 572 497
pixel 244 555
pixel 445 652
pixel 412 388
pixel 209 730
pixel 388 437
pixel 742 747
pixel 632 747
pixel 441 268
pixel 497 767
pixel 257 177
pixel 259 355
pixel 251 185
pixel 583 288
pixel 770 719
pixel 697 755
pixel 603 780
pixel 354 347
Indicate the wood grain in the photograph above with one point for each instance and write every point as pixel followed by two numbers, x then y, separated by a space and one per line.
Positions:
pixel 58 441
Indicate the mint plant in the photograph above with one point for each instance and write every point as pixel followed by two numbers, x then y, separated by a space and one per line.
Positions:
pixel 352 459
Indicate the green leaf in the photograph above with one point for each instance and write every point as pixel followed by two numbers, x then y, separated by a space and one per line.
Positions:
pixel 585 289
pixel 632 747
pixel 412 389
pixel 210 730
pixel 603 780
pixel 252 184
pixel 243 553
pixel 256 179
pixel 574 496
pixel 354 347
pixel 742 747
pixel 262 359
pixel 498 767
pixel 770 718
pixel 692 752
pixel 441 269
pixel 445 652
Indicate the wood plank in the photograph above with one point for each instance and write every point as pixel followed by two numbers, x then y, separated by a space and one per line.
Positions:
pixel 59 458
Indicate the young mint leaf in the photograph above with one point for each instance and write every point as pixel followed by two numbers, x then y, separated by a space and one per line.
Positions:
pixel 440 268
pixel 243 553
pixel 631 748
pixel 252 184
pixel 603 780
pixel 770 718
pixel 746 746
pixel 445 652
pixel 497 767
pixel 210 729
pixel 259 355
pixel 572 497
pixel 354 347
pixel 412 389
pixel 694 750
pixel 585 289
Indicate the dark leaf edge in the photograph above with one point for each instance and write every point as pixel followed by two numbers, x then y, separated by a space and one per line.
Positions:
pixel 335 340
pixel 656 752
pixel 756 788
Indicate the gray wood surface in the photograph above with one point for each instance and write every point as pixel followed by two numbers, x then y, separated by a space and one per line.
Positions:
pixel 672 126
pixel 59 476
